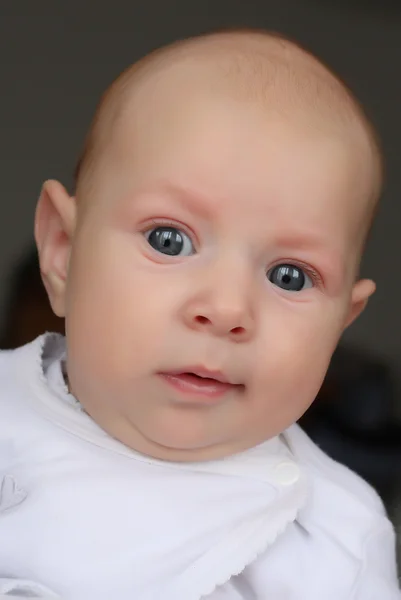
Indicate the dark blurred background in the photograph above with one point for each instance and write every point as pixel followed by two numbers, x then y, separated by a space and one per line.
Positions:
pixel 57 57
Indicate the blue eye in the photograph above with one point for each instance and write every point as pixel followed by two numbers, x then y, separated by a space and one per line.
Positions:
pixel 289 278
pixel 170 241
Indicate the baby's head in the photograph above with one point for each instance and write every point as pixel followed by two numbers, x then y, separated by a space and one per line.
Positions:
pixel 221 208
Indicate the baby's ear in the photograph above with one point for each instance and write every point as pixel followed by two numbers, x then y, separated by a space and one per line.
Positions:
pixel 54 229
pixel 361 293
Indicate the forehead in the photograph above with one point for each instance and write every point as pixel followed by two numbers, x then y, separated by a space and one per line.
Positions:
pixel 237 155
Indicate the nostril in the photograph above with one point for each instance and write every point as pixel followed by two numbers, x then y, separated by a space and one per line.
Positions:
pixel 202 320
pixel 237 330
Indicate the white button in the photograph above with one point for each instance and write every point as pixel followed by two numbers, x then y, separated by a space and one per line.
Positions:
pixel 287 473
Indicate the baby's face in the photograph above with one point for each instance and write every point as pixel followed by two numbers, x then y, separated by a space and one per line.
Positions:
pixel 211 277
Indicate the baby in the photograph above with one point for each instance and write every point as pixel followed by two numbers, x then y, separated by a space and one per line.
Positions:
pixel 206 266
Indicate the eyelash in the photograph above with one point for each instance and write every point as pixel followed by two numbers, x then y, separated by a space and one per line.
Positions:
pixel 310 271
pixel 154 223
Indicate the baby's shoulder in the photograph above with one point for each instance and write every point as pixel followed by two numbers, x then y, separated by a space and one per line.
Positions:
pixel 332 483
pixel 11 371
pixel 7 358
pixel 340 542
pixel 20 370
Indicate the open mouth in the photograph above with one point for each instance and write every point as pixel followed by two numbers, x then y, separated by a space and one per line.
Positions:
pixel 200 379
pixel 200 383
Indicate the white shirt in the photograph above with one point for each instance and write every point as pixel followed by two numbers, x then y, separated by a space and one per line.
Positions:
pixel 82 517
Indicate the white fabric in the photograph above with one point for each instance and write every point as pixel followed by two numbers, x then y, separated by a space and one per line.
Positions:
pixel 83 517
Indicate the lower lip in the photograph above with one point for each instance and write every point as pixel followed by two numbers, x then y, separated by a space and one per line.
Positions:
pixel 208 389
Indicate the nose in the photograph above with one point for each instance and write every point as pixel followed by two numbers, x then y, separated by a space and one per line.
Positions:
pixel 223 306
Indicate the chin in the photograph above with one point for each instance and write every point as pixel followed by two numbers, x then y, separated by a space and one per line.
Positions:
pixel 177 450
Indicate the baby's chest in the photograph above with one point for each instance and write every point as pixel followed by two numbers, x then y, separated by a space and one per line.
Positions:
pixel 73 528
pixel 79 526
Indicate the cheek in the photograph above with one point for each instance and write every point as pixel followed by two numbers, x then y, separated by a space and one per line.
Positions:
pixel 293 358
pixel 120 312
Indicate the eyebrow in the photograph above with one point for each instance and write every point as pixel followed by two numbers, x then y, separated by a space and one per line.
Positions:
pixel 296 240
pixel 185 196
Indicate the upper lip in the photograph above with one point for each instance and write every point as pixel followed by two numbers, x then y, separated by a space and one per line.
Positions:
pixel 203 372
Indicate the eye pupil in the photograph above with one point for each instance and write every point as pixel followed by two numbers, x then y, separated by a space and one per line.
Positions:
pixel 170 241
pixel 288 277
pixel 165 237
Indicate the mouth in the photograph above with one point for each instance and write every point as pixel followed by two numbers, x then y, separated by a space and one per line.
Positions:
pixel 199 382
